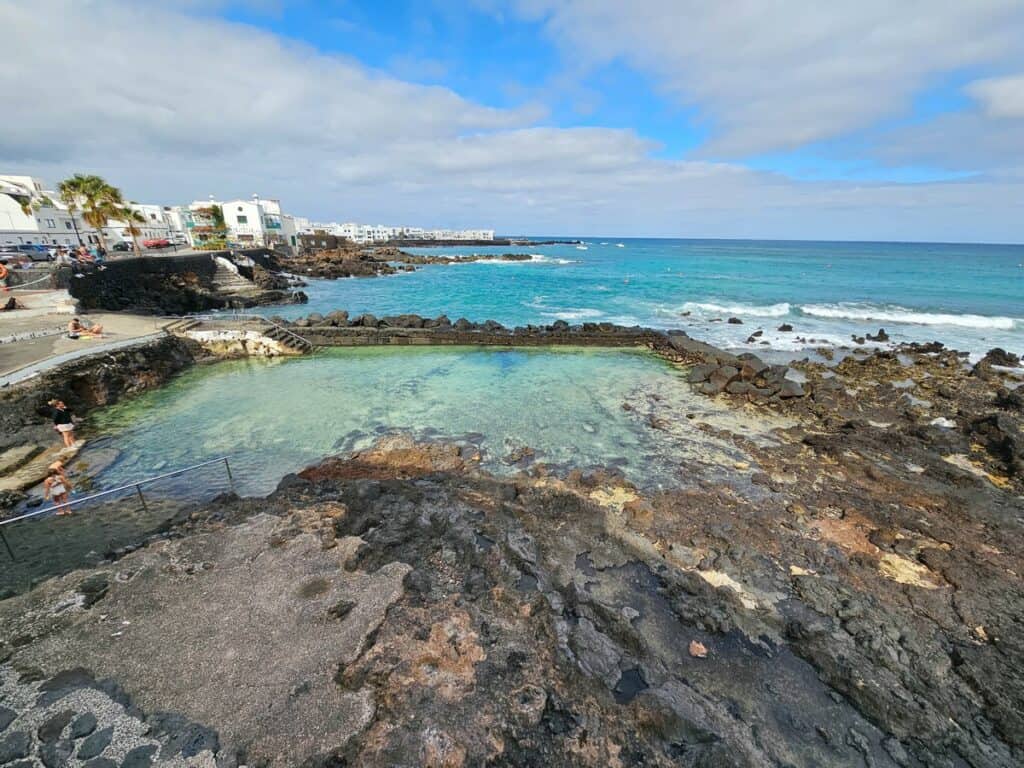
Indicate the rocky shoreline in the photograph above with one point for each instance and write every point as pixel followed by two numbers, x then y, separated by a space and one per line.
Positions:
pixel 372 261
pixel 850 595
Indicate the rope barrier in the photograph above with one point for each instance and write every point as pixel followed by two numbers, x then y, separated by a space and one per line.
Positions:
pixel 26 285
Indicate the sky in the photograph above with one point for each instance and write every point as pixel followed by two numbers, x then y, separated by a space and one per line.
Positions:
pixel 789 119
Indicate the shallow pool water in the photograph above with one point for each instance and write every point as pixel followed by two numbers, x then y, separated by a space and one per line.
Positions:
pixel 576 408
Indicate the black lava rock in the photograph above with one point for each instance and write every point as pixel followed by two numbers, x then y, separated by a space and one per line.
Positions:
pixel 83 726
pixel 95 744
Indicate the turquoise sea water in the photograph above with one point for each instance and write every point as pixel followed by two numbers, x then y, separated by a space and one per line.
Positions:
pixel 970 297
pixel 573 407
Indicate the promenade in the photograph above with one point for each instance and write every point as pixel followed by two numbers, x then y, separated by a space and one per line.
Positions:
pixel 35 339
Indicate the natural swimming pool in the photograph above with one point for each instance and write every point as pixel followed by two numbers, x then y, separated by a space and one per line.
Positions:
pixel 575 408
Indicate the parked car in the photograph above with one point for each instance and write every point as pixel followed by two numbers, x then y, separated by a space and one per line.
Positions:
pixel 34 252
pixel 157 242
pixel 121 245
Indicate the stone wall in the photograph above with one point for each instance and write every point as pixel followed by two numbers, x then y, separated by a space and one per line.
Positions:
pixel 172 285
pixel 159 285
pixel 90 383
pixel 327 336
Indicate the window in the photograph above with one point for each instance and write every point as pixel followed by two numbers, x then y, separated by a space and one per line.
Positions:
pixel 51 224
pixel 152 216
pixel 67 225
pixel 243 219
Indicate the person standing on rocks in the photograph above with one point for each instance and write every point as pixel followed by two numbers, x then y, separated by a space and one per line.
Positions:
pixel 63 422
pixel 57 487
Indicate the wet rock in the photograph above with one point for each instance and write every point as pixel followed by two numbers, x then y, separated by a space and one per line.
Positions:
pixel 93 745
pixel 880 336
pixel 140 757
pixel 722 376
pixel 337 318
pixel 734 321
pixel 462 324
pixel 439 322
pixel 366 320
pixel 786 328
pixel 560 326
pixel 1000 357
pixel 7 716
pixel 56 754
pixel 1010 399
pixel 790 389
pixel 15 746
pixel 54 726
pixel 83 726
pixel 1001 438
pixel 403 321
pixel 315 318
pixel 701 373
pixel 737 387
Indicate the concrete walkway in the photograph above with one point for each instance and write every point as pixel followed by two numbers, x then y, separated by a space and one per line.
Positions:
pixel 34 339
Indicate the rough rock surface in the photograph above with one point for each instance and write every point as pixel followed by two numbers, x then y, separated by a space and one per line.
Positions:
pixel 852 598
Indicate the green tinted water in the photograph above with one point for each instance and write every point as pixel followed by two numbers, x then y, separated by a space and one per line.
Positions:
pixel 575 408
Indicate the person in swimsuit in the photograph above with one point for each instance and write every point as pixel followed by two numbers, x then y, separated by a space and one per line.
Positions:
pixel 76 328
pixel 57 487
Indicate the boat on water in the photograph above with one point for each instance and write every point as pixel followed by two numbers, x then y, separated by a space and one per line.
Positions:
pixel 619 245
pixel 582 248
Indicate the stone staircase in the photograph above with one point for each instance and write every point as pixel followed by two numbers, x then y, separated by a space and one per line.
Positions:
pixel 270 330
pixel 226 279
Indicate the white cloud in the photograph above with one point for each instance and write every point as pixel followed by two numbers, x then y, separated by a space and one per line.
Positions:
pixel 1000 96
pixel 172 107
pixel 779 75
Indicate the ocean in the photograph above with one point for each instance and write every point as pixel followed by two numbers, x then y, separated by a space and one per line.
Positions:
pixel 970 297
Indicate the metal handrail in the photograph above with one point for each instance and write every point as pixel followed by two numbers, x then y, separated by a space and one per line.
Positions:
pixel 247 316
pixel 135 485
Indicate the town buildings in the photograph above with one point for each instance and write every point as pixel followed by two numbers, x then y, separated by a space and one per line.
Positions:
pixel 32 214
pixel 368 233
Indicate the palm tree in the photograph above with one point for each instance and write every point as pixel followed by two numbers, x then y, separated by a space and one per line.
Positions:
pixel 95 198
pixel 132 217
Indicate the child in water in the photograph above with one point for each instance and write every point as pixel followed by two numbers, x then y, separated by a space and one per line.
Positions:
pixel 56 486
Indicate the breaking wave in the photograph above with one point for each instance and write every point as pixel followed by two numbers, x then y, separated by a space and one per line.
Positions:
pixel 575 314
pixel 906 316
pixel 768 310
pixel 535 258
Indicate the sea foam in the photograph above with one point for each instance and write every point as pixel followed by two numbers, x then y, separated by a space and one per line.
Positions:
pixel 906 316
pixel 767 310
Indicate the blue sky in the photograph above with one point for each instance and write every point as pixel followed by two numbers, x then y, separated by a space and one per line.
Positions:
pixel 846 120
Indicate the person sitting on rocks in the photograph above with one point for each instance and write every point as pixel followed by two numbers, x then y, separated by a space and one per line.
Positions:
pixel 76 328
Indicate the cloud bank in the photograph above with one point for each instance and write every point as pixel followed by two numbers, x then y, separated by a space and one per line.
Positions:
pixel 172 106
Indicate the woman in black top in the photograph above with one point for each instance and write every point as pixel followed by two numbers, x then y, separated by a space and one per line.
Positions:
pixel 63 422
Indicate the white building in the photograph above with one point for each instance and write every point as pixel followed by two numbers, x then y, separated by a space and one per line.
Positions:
pixel 155 224
pixel 47 221
pixel 254 222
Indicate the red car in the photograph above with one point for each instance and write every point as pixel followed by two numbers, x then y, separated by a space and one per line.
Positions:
pixel 157 242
